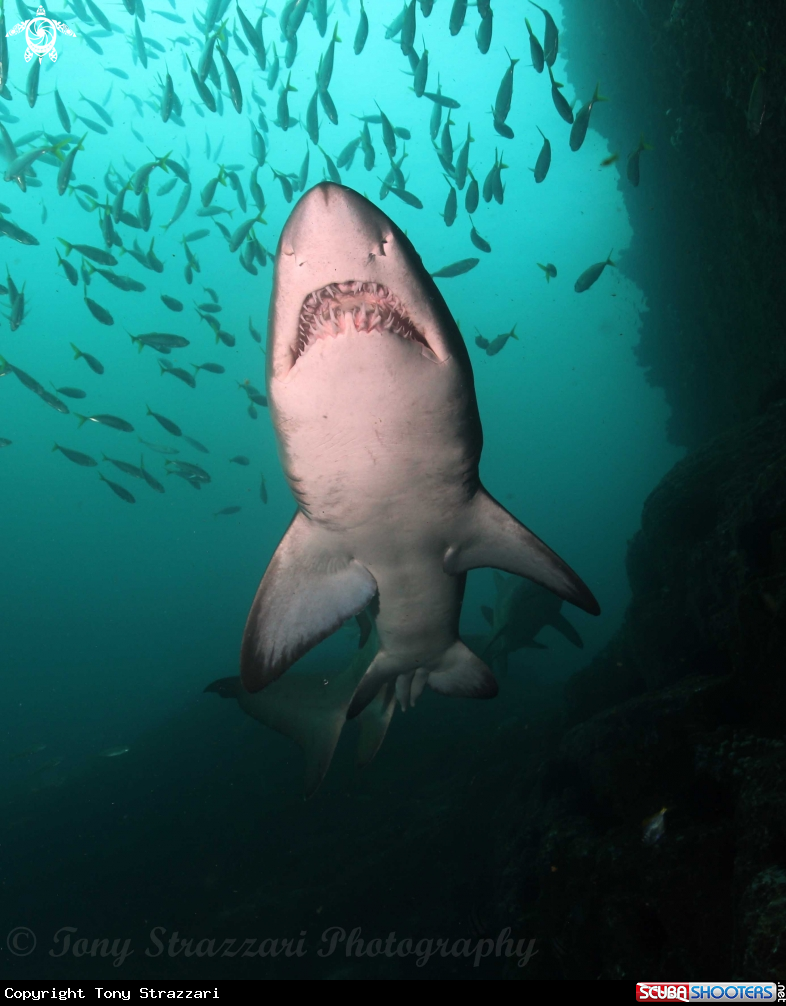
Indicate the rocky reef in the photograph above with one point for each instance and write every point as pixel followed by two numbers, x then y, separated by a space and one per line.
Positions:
pixel 684 710
pixel 703 81
pixel 652 838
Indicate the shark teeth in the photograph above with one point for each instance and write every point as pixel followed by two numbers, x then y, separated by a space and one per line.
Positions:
pixel 369 307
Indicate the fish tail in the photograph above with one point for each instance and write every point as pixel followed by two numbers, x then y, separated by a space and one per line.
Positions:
pixel 77 351
pixel 597 96
pixel 82 419
pixel 643 145
pixel 608 260
pixel 68 246
pixel 335 33
pixel 56 448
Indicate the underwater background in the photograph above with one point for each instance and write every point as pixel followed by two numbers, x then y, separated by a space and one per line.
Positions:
pixel 131 800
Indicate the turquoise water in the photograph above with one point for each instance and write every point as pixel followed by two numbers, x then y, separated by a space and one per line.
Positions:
pixel 116 616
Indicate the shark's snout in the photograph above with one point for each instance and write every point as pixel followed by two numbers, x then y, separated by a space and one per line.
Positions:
pixel 344 268
pixel 333 223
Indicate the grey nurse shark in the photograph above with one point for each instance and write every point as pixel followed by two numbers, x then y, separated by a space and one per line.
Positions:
pixel 373 403
pixel 521 610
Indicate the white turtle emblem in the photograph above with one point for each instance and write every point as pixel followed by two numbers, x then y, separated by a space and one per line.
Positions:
pixel 40 33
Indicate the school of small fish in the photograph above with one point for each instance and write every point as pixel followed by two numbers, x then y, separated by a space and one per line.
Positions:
pixel 228 67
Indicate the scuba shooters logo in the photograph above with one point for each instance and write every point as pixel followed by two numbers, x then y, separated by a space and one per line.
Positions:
pixel 710 992
pixel 41 35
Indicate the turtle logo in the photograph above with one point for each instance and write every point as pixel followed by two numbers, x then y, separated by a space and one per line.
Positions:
pixel 40 33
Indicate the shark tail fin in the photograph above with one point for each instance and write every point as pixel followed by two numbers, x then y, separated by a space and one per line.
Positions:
pixel 374 722
pixel 304 596
pixel 308 711
pixel 493 537
pixel 311 710
pixel 561 624
pixel 227 688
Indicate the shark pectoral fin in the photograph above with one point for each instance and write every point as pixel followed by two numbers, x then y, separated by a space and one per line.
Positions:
pixel 305 595
pixel 561 624
pixel 493 537
pixel 487 613
pixel 460 673
pixel 374 722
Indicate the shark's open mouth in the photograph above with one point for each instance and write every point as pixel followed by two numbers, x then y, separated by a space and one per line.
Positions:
pixel 366 307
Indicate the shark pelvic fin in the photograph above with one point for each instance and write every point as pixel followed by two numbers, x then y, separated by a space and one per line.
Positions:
pixel 460 673
pixel 561 624
pixel 493 537
pixel 307 592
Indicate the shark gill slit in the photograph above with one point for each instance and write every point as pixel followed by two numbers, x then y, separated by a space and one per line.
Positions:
pixel 367 307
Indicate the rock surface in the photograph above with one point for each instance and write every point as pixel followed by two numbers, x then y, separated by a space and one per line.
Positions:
pixel 684 710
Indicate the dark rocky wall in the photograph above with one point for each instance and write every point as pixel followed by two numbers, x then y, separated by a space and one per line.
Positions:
pixel 685 709
pixel 708 217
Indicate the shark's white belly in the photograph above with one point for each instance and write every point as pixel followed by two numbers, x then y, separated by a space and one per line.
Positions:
pixel 382 457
